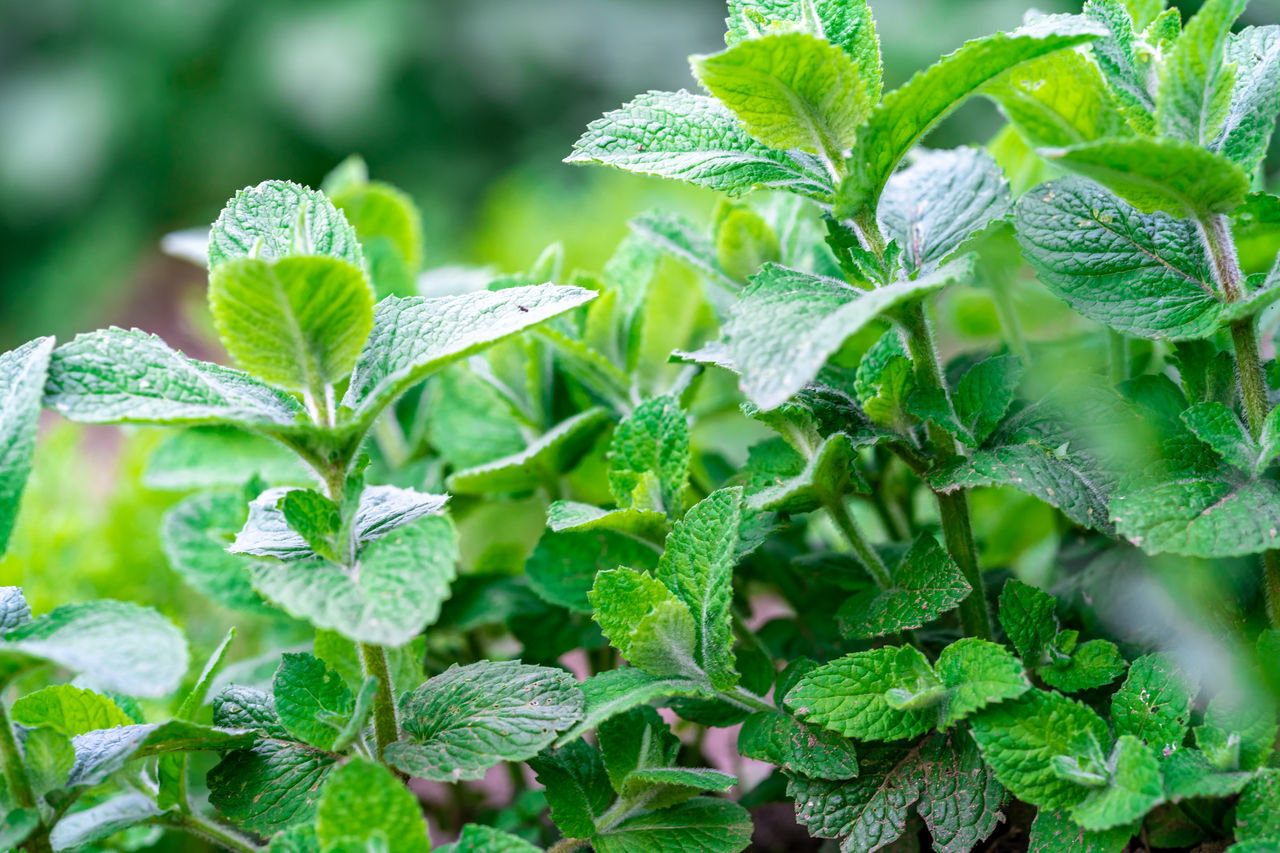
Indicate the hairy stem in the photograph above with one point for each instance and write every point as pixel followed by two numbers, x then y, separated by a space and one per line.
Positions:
pixel 564 845
pixel 201 826
pixel 1216 232
pixel 744 698
pixel 385 728
pixel 953 507
pixel 839 512
pixel 15 774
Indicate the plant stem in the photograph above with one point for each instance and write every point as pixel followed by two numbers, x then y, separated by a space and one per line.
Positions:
pixel 564 845
pixel 1119 358
pixel 744 698
pixel 15 774
pixel 953 507
pixel 839 512
pixel 1216 232
pixel 201 826
pixel 385 728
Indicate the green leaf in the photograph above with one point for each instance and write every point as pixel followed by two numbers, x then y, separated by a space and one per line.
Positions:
pixel 414 336
pixel 1145 275
pixel 938 202
pixel 1246 722
pixel 617 691
pixel 788 323
pixel 574 517
pixel 1189 773
pixel 1159 175
pixel 645 621
pixel 380 212
pixel 848 25
pixel 1055 832
pixel 697 566
pixel 796 748
pixel 1091 664
pixel 649 457
pixel 908 113
pixel 270 787
pixel 1154 703
pixel 102 820
pixel 240 707
pixel 1194 87
pixel 476 838
pixel 195 535
pixel 1204 516
pixel 1027 616
pixel 577 786
pixel 172 769
pixel 1125 63
pixel 563 566
pixel 116 376
pixel 980 400
pixel 791 90
pixel 298 323
pixel 552 454
pixel 926 584
pixel 942 776
pixel 48 757
pixel 102 752
pixel 699 825
pixel 22 376
pixel 1058 100
pixel 363 805
pixel 1255 99
pixel 978 673
pixel 382 510
pixel 114 645
pixel 1133 790
pixel 278 219
pixel 470 718
pixel 403 580
pixel 1258 812
pixel 1217 426
pixel 804 484
pixel 212 457
pixel 744 240
pixel 14 610
pixel 69 710
pixel 882 694
pixel 694 138
pixel 312 701
pixel 636 740
pixel 681 239
pixel 1022 739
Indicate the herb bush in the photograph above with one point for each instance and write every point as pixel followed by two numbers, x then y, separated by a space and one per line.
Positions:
pixel 631 468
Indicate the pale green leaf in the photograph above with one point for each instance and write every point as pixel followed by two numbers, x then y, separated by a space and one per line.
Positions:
pixel 211 457
pixel 1194 86
pixel 1255 99
pixel 1056 832
pixel 195 535
pixel 363 804
pixel 788 323
pixel 69 710
pixel 941 200
pixel 402 582
pixel 47 757
pixel 571 516
pixel 819 480
pixel 791 90
pixel 908 113
pixel 114 645
pixel 379 212
pixel 845 23
pixel 1058 100
pixel 697 566
pixel 551 455
pixel 616 691
pixel 470 718
pixel 102 820
pixel 1134 789
pixel 22 377
pixel 102 752
pixel 649 457
pixel 298 323
pixel 644 620
pixel 127 376
pixel 1159 175
pixel 978 673
pixel 414 336
pixel 694 138
pixel 277 219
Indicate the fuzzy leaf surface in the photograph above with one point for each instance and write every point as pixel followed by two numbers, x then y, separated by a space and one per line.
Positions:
pixel 277 219
pixel 22 377
pixel 553 453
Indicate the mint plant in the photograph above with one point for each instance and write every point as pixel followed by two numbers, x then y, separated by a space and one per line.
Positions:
pixel 729 476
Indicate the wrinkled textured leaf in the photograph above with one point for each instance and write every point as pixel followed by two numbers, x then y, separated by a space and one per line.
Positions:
pixel 616 691
pixel 797 748
pixel 694 138
pixel 552 454
pixel 1201 516
pixel 311 700
pixel 270 787
pixel 1135 788
pixel 563 566
pixel 699 825
pixel 926 584
pixel 276 219
pixel 22 377
pixel 978 673
pixel 644 620
pixel 102 752
pixel 649 457
pixel 1255 99
pixel 470 718
pixel 195 535
pixel 363 804
pixel 102 820
pixel 69 710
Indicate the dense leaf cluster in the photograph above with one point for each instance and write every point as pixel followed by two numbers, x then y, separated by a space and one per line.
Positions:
pixel 689 452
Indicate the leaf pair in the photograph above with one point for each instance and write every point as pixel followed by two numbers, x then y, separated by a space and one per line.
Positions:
pixel 1028 618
